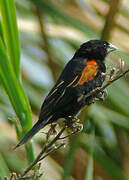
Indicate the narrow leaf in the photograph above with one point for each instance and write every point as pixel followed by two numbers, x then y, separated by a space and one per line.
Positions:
pixel 90 167
pixel 10 31
pixel 16 94
pixel 4 171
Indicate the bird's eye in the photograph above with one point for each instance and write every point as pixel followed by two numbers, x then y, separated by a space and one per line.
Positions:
pixel 104 45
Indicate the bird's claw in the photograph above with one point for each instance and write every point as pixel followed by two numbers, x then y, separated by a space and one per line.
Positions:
pixel 73 123
pixel 101 95
pixel 98 94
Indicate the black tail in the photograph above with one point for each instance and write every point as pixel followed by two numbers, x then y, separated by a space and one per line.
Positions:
pixel 31 133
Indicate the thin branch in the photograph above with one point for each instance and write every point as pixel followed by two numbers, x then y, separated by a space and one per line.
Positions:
pixel 76 131
pixel 110 19
pixel 53 150
pixel 96 91
pixel 45 148
pixel 45 44
pixel 26 178
pixel 114 79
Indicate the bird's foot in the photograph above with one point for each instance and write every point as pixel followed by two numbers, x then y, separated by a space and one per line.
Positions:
pixel 75 119
pixel 101 95
pixel 71 120
pixel 74 126
pixel 73 123
pixel 78 127
pixel 98 94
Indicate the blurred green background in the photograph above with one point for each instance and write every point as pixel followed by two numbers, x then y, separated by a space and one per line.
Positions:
pixel 49 32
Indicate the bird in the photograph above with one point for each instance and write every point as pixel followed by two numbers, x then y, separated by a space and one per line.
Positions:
pixel 81 75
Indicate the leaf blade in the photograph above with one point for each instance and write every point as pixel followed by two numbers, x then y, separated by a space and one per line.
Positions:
pixel 10 31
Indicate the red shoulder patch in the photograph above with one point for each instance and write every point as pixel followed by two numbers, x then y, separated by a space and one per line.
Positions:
pixel 91 62
pixel 89 72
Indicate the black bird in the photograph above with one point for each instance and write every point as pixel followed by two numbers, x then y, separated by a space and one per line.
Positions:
pixel 81 75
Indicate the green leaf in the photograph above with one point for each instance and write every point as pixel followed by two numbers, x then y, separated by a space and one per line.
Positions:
pixel 107 163
pixel 16 94
pixel 1 32
pixel 117 96
pixel 4 171
pixel 14 162
pixel 18 132
pixel 10 32
pixel 112 116
pixel 90 167
pixel 105 127
pixel 14 89
pixel 89 172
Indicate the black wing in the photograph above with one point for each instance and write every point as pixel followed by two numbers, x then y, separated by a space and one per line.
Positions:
pixel 59 95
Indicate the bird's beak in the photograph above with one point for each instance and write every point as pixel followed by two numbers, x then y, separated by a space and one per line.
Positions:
pixel 111 48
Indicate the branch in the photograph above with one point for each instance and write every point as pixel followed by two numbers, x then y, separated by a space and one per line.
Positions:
pixel 51 151
pixel 114 79
pixel 45 44
pixel 44 150
pixel 110 19
pixel 94 94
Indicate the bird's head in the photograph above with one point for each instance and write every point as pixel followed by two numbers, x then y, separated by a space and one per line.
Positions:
pixel 95 49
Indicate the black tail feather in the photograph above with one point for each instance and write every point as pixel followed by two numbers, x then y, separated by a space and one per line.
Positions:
pixel 31 133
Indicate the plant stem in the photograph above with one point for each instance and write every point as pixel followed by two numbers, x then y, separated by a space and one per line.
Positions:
pixel 109 23
pixel 45 43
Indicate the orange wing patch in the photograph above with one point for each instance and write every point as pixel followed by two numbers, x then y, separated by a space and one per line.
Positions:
pixel 88 73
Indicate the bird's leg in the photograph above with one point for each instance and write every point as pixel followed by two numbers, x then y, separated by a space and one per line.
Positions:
pixel 73 123
pixel 101 95
pixel 69 121
pixel 96 94
pixel 76 119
